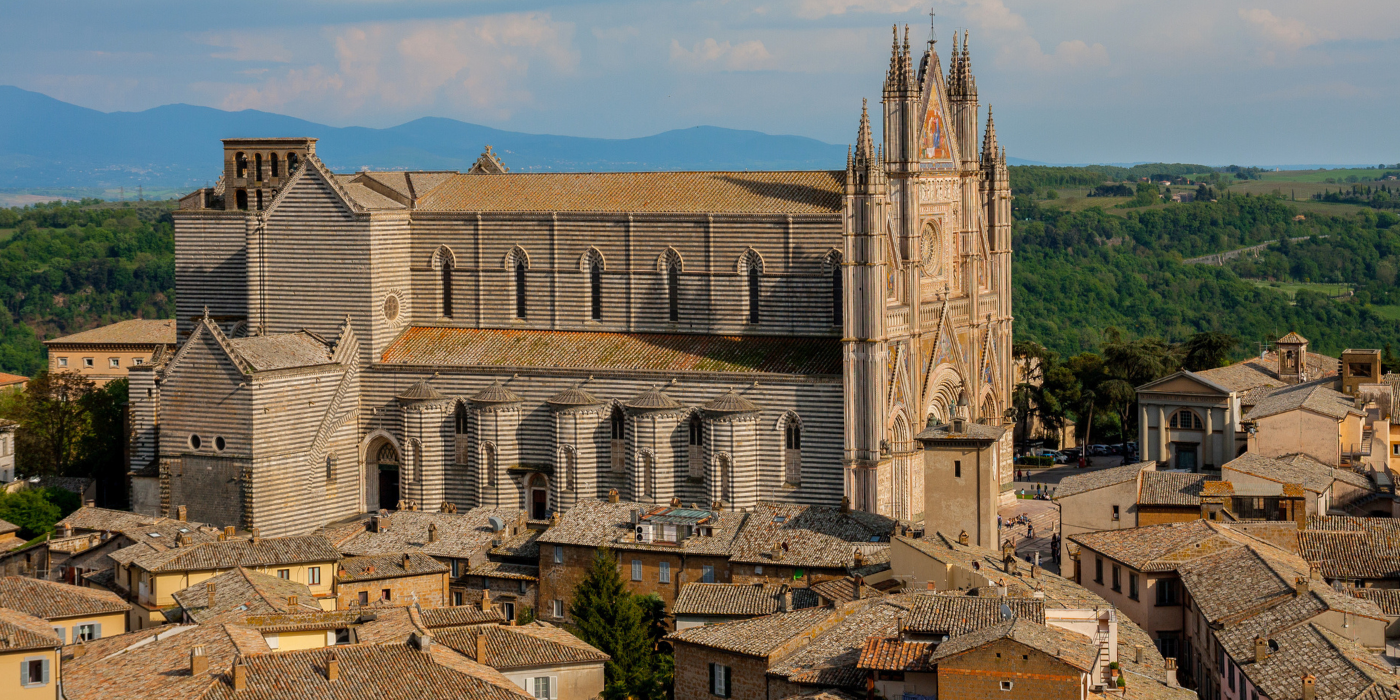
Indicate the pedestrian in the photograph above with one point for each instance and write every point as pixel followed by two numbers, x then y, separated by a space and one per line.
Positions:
pixel 998 522
pixel 1030 531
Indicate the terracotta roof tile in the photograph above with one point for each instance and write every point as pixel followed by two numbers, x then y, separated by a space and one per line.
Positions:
pixel 459 615
pixel 843 590
pixel 459 535
pixel 529 646
pixel 738 599
pixel 281 351
pixel 956 614
pixel 1072 648
pixel 593 523
pixel 1342 668
pixel 505 570
pixel 1075 484
pixel 892 654
pixel 1262 371
pixel 6 379
pixel 132 332
pixel 985 563
pixel 52 600
pixel 1156 547
pixel 831 658
pixel 1313 478
pixel 819 536
pixel 1171 489
pixel 1316 396
pixel 20 631
pixel 782 192
pixel 486 347
pixel 241 592
pixel 1387 599
pixel 1352 548
pixel 758 636
pixel 384 566
pixel 155 663
pixel 227 554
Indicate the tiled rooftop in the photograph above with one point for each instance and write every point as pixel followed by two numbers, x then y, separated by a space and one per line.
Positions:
pixel 780 192
pixel 20 631
pixel 534 645
pixel 1171 489
pixel 383 566
pixel 1263 371
pixel 135 526
pixel 1317 396
pixel 459 535
pixel 603 524
pixel 843 590
pixel 459 615
pixel 1072 648
pixel 759 636
pixel 504 570
pixel 242 592
pixel 1075 484
pixel 1343 668
pixel 812 536
pixel 1313 478
pixel 1059 592
pixel 281 351
pixel 1156 547
pixel 738 599
pixel 1246 581
pixel 227 554
pixel 52 600
pixel 1352 548
pixel 831 658
pixel 133 332
pixel 486 347
pixel 155 663
pixel 956 614
pixel 892 654
pixel 1387 599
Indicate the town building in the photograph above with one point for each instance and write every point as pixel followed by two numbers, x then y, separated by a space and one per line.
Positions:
pixel 105 353
pixel 72 612
pixel 545 661
pixel 82 542
pixel 967 476
pixel 7 451
pixel 241 592
pixel 29 653
pixel 9 536
pixel 410 578
pixel 709 603
pixel 535 340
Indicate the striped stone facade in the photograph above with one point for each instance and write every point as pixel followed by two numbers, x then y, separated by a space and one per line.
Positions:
pixel 530 340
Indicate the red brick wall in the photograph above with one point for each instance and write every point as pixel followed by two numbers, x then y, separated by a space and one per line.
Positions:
pixel 426 590
pixel 502 590
pixel 745 573
pixel 557 581
pixel 747 679
pixel 1033 675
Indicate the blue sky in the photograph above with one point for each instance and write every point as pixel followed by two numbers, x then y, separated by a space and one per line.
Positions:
pixel 1213 81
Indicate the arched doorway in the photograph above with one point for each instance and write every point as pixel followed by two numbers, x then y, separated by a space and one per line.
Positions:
pixel 538 490
pixel 386 460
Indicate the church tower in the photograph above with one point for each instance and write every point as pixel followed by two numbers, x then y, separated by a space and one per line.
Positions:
pixel 863 334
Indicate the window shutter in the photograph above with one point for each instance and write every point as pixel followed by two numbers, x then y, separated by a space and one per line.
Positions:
pixel 24 674
pixel 97 631
pixel 46 671
pixel 713 689
pixel 61 636
pixel 554 688
pixel 727 690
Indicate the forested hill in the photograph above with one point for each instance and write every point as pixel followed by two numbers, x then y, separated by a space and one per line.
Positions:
pixel 1076 271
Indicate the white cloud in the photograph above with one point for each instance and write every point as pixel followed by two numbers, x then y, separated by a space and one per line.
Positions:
pixel 1016 47
pixel 1291 33
pixel 711 55
pixel 243 46
pixel 816 9
pixel 480 64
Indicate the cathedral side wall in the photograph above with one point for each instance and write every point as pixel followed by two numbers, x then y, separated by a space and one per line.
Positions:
pixel 758 463
pixel 713 293
pixel 211 267
pixel 289 408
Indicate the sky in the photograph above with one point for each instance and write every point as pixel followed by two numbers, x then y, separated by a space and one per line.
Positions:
pixel 1251 82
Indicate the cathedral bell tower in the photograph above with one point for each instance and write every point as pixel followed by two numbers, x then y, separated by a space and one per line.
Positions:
pixel 863 334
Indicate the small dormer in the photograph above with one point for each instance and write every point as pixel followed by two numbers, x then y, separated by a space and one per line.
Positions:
pixel 1292 358
pixel 255 169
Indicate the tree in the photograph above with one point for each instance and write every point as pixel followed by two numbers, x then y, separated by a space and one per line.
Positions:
pixel 100 447
pixel 53 420
pixel 606 615
pixel 1207 350
pixel 36 510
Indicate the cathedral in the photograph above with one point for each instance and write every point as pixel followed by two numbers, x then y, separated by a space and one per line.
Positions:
pixel 446 340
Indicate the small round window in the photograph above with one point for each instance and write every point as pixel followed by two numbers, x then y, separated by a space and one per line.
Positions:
pixel 195 441
pixel 219 444
pixel 391 307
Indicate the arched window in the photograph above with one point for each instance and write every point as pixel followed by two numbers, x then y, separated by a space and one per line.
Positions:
pixel 695 451
pixel 617 423
pixel 240 199
pixel 595 290
pixel 648 470
pixel 753 294
pixel 726 493
pixel 673 291
pixel 1186 419
pixel 446 288
pixel 570 466
pixel 488 462
pixel 260 202
pixel 240 165
pixel 387 466
pixel 520 288
pixel 291 163
pixel 539 497
pixel 837 300
pixel 792 452
pixel 459 420
pixel 272 165
pixel 697 430
pixel 257 167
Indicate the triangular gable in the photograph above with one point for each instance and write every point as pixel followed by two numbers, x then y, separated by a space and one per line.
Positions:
pixel 990 369
pixel 313 170
pixel 937 147
pixel 891 367
pixel 203 326
pixel 939 348
pixel 1185 382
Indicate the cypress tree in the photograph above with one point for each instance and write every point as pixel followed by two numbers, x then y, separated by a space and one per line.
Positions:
pixel 609 617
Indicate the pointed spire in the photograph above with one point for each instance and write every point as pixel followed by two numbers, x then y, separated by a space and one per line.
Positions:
pixel 953 66
pixel 864 145
pixel 894 58
pixel 989 139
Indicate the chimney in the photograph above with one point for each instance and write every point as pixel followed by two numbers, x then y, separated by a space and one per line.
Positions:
pixel 378 523
pixel 91 502
pixel 859 588
pixel 717 506
pixel 332 667
pixel 199 663
pixel 1309 686
pixel 612 496
pixel 485 599
pixel 228 531
pixel 79 649
pixel 423 641
pixel 67 530
pixel 1315 571
pixel 256 536
pixel 554 518
pixel 786 605
pixel 1137 653
pixel 1300 586
pixel 1172 681
pixel 291 601
pixel 963 538
pixel 407 561
pixel 182 514
pixel 240 674
pixel 959 424
pixel 432 533
pixel 845 504
pixel 209 589
pixel 481 649
pixel 1261 649
pixel 675 502
pixel 931 587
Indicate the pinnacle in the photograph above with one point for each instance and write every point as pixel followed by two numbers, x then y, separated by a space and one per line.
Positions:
pixel 863 138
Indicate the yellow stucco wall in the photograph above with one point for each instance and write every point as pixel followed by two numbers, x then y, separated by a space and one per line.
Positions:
pixel 292 641
pixel 1313 434
pixel 113 624
pixel 11 667
pixel 71 359
pixel 168 584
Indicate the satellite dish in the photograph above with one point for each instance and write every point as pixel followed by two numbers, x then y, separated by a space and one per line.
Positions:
pixel 1006 612
pixel 496 523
